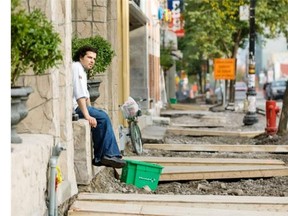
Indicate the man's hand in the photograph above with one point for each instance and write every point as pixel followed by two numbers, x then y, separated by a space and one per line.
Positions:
pixel 92 121
pixel 83 107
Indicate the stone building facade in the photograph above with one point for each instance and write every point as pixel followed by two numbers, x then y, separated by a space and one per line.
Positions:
pixel 49 121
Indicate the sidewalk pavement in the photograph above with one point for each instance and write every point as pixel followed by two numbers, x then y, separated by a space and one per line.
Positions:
pixel 153 134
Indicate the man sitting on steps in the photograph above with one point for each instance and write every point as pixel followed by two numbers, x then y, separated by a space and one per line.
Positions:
pixel 106 150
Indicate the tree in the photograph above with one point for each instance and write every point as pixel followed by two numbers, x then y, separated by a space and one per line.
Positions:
pixel 166 59
pixel 213 28
pixel 282 127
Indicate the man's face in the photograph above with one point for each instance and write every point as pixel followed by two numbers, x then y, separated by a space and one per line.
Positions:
pixel 88 60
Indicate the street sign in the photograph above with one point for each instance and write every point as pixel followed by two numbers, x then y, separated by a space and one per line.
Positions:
pixel 224 69
pixel 244 12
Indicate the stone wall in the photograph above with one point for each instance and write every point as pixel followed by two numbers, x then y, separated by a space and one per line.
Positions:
pixel 50 111
pixel 49 121
pixel 99 17
pixel 50 105
pixel 29 175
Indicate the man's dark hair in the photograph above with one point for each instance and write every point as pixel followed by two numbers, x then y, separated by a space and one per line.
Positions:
pixel 81 52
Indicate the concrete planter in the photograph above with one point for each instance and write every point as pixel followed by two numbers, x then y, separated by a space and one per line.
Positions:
pixel 93 88
pixel 19 96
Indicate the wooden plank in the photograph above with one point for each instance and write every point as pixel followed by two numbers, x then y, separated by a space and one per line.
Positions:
pixel 198 132
pixel 188 173
pixel 185 198
pixel 207 125
pixel 200 201
pixel 218 147
pixel 172 113
pixel 171 173
pixel 189 107
pixel 90 208
pixel 185 161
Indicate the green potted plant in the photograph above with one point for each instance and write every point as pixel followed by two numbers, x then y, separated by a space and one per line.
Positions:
pixel 105 54
pixel 34 46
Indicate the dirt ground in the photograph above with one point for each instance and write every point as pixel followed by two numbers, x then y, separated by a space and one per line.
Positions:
pixel 106 182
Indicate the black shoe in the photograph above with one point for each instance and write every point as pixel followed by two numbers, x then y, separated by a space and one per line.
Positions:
pixel 96 163
pixel 114 162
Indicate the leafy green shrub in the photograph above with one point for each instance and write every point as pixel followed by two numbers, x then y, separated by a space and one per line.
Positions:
pixel 166 60
pixel 104 55
pixel 34 43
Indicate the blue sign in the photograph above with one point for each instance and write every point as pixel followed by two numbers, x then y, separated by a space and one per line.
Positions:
pixel 175 5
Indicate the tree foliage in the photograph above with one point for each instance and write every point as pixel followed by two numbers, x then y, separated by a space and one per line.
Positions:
pixel 213 28
pixel 166 59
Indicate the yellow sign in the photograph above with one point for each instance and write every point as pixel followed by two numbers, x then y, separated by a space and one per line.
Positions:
pixel 224 69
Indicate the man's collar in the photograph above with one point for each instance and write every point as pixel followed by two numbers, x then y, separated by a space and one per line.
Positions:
pixel 86 71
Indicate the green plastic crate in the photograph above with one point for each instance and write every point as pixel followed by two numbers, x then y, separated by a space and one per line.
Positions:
pixel 141 173
pixel 173 101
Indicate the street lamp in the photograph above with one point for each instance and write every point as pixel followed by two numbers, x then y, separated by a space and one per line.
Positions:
pixel 250 117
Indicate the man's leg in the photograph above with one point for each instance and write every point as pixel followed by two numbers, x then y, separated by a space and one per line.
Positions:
pixel 106 150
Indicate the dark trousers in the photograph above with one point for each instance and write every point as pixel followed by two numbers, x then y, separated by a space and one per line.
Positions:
pixel 104 141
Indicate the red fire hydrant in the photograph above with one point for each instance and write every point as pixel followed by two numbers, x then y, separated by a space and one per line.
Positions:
pixel 271 114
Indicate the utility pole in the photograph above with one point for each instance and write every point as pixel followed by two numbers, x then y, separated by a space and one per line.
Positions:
pixel 251 117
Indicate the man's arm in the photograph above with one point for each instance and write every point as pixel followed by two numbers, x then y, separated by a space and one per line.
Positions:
pixel 88 103
pixel 82 103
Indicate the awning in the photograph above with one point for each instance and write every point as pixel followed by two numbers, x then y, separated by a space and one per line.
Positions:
pixel 136 17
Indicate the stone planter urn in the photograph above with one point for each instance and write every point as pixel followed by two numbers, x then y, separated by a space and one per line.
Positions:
pixel 19 97
pixel 93 88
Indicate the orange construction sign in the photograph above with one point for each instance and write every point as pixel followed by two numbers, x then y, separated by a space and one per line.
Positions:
pixel 224 69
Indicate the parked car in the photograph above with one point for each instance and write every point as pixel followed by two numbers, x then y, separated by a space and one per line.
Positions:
pixel 277 89
pixel 240 86
pixel 267 90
